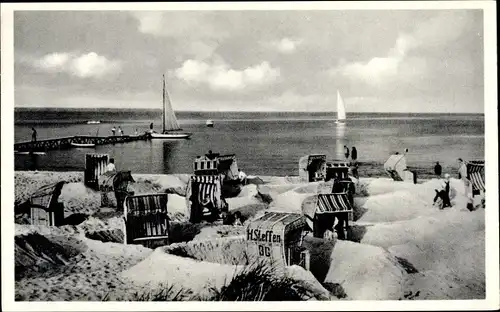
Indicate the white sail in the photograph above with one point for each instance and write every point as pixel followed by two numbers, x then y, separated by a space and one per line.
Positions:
pixel 340 108
pixel 169 120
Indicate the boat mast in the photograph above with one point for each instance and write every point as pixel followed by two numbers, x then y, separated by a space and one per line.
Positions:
pixel 164 106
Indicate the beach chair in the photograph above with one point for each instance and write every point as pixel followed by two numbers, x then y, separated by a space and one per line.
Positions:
pixel 338 170
pixel 203 198
pixel 146 220
pixel 475 174
pixel 321 214
pixel 276 238
pixel 216 164
pixel 95 166
pixel 312 168
pixel 397 169
pixel 44 206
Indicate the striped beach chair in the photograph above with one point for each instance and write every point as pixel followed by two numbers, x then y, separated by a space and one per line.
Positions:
pixel 204 196
pixel 475 174
pixel 146 220
pixel 329 207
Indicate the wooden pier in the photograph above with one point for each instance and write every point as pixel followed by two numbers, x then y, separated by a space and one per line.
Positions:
pixel 65 142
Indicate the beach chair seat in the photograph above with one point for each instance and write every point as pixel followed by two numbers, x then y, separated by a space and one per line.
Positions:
pixel 146 220
pixel 44 206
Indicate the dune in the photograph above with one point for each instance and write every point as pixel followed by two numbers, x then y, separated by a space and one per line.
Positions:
pixel 405 247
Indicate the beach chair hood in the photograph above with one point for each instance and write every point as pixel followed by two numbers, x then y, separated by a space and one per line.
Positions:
pixel 228 166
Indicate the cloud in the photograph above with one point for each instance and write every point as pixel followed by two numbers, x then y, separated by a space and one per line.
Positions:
pixel 90 65
pixel 219 76
pixel 189 24
pixel 286 45
pixel 433 33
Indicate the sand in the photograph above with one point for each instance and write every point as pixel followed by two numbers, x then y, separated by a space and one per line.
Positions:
pixel 405 247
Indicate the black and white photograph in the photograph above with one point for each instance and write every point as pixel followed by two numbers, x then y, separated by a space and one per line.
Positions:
pixel 278 152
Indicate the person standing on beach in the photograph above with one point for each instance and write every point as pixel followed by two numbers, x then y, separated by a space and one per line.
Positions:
pixel 120 131
pixel 33 135
pixel 111 166
pixel 136 132
pixel 437 169
pixel 462 175
pixel 346 152
pixel 354 154
pixel 113 130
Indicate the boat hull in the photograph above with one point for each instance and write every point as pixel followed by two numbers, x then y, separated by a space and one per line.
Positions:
pixel 28 153
pixel 170 136
pixel 87 145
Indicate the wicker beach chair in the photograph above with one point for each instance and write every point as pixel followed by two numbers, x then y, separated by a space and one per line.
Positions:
pixel 146 220
pixel 204 197
pixel 322 213
pixel 44 206
pixel 475 174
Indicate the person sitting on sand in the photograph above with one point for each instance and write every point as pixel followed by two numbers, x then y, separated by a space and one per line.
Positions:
pixel 443 192
pixel 111 166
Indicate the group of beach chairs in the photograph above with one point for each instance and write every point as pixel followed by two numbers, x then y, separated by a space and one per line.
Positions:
pixel 146 216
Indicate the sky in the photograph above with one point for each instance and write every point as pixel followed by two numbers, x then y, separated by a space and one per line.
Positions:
pixel 379 60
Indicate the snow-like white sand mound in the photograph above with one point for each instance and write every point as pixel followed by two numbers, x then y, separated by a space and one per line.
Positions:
pixel 215 263
pixel 366 271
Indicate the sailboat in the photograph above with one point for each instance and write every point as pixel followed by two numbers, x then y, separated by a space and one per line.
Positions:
pixel 170 125
pixel 341 117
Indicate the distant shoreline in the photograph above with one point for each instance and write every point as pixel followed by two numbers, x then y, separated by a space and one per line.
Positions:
pixel 270 113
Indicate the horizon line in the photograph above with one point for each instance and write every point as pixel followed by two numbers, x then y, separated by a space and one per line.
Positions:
pixel 233 111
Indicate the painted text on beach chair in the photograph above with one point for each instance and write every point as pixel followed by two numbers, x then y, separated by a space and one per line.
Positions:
pixel 276 238
pixel 146 220
pixel 44 206
pixel 312 167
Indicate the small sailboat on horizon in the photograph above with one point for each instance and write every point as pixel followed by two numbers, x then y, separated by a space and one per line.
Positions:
pixel 341 115
pixel 171 127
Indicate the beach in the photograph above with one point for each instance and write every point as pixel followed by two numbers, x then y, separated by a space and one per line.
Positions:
pixel 403 247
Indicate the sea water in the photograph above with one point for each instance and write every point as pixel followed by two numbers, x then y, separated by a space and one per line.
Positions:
pixel 264 143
